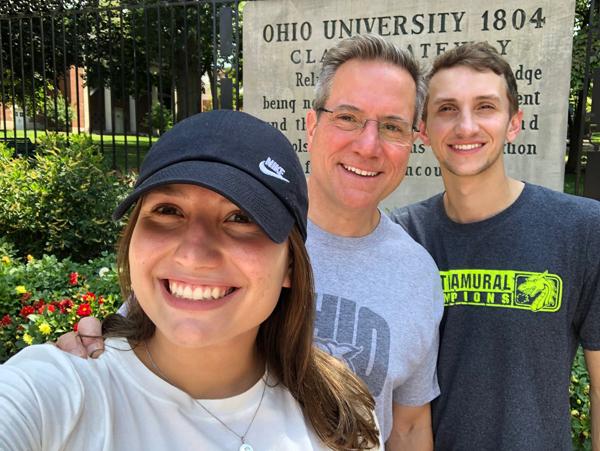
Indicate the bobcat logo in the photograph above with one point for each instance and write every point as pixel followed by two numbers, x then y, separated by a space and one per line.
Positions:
pixel 542 289
pixel 341 351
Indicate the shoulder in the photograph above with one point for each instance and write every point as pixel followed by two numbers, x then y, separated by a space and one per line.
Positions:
pixel 582 207
pixel 39 382
pixel 55 375
pixel 578 217
pixel 42 382
pixel 417 212
pixel 423 220
pixel 405 247
pixel 38 359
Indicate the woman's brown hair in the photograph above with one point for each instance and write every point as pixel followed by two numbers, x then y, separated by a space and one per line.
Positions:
pixel 335 401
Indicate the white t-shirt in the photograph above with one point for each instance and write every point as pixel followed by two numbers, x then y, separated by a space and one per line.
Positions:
pixel 52 400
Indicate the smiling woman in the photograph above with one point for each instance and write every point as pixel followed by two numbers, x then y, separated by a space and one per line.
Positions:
pixel 215 350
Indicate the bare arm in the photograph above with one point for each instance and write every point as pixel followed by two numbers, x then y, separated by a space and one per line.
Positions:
pixel 411 429
pixel 592 361
pixel 86 342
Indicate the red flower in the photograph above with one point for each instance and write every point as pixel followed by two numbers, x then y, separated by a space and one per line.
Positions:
pixel 27 310
pixel 6 320
pixel 50 308
pixel 84 310
pixel 73 278
pixel 88 297
pixel 25 296
pixel 76 326
pixel 64 305
pixel 39 305
pixel 100 300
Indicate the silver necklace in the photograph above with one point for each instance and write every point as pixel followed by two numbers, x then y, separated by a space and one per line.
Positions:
pixel 242 438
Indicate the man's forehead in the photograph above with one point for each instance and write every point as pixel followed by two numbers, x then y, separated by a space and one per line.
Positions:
pixel 367 84
pixel 464 81
pixel 355 67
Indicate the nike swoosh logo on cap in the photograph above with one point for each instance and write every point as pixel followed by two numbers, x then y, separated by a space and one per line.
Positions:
pixel 268 171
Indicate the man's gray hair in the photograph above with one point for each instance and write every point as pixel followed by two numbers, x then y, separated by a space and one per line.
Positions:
pixel 368 47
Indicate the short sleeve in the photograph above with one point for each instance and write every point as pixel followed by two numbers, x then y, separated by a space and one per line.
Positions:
pixel 39 394
pixel 589 326
pixel 422 385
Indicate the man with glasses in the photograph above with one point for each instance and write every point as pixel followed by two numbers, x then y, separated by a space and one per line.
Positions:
pixel 379 300
pixel 378 295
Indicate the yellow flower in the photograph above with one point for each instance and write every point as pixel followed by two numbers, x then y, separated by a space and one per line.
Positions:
pixel 6 259
pixel 30 258
pixel 574 413
pixel 28 339
pixel 45 328
pixel 20 289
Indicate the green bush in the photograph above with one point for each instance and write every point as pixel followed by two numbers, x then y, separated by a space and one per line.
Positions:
pixel 159 118
pixel 59 202
pixel 579 392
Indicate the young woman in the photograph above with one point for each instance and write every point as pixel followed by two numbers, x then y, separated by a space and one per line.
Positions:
pixel 215 352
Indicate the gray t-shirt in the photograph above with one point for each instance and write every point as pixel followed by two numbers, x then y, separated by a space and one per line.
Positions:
pixel 379 304
pixel 522 289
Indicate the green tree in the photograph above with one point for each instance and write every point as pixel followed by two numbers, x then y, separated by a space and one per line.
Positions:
pixel 583 28
pixel 129 47
pixel 31 61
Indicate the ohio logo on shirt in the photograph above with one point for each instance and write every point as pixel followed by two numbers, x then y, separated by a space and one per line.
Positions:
pixel 533 291
pixel 356 335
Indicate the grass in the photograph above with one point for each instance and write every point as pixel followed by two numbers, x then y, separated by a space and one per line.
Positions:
pixel 121 152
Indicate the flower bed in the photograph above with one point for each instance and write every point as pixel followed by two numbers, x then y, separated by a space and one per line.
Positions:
pixel 40 299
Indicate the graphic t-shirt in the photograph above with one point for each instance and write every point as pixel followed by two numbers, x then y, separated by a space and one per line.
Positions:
pixel 521 291
pixel 379 305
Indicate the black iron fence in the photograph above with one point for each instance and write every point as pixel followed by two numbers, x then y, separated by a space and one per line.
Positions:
pixel 123 74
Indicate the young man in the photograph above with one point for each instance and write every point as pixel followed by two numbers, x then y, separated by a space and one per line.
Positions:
pixel 379 301
pixel 519 266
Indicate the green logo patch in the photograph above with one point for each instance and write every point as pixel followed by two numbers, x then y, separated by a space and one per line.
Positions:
pixel 538 292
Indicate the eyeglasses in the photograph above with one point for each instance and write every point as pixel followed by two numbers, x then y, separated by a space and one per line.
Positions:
pixel 392 130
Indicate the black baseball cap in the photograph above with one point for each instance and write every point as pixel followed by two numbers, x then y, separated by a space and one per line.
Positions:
pixel 238 156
